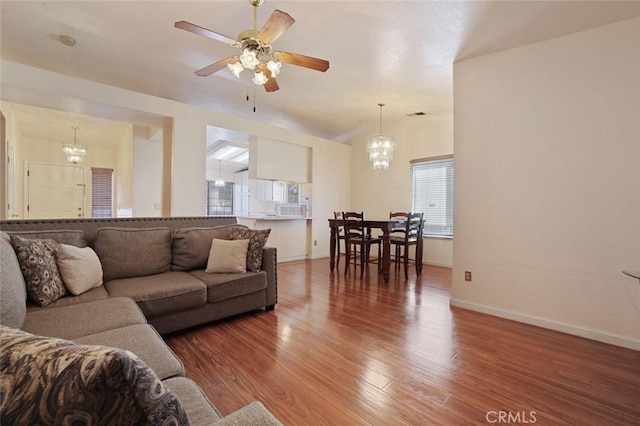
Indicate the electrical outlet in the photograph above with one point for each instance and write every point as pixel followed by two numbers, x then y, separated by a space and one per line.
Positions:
pixel 467 275
pixel 315 242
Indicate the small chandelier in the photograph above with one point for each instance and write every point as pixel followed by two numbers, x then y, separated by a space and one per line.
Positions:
pixel 219 182
pixel 380 148
pixel 75 153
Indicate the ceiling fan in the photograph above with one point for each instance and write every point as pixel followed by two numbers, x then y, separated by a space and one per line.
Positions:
pixel 256 50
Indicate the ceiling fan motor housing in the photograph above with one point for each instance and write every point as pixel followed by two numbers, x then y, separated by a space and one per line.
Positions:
pixel 248 39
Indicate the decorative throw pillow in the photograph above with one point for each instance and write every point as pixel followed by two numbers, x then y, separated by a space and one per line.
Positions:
pixel 80 384
pixel 257 240
pixel 227 256
pixel 190 246
pixel 79 268
pixel 37 260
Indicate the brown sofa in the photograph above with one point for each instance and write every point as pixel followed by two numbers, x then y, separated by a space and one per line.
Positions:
pixel 154 283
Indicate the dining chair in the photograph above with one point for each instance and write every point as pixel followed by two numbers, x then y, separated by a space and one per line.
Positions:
pixel 339 235
pixel 404 239
pixel 358 241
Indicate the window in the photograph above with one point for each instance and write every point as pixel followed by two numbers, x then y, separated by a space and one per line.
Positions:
pixel 219 199
pixel 292 193
pixel 101 192
pixel 433 193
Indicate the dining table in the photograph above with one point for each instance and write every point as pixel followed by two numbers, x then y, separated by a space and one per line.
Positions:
pixel 385 225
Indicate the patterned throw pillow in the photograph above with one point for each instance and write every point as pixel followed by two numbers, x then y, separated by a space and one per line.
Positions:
pixel 257 240
pixel 37 260
pixel 55 381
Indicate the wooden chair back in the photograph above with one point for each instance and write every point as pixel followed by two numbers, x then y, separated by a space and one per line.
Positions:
pixel 352 223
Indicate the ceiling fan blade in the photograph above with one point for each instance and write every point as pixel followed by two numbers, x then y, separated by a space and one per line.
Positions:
pixel 275 26
pixel 210 69
pixel 193 28
pixel 302 61
pixel 271 85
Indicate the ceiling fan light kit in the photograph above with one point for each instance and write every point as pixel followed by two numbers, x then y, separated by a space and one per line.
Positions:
pixel 256 50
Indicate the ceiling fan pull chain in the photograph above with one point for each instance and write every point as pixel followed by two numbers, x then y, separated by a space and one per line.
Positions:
pixel 254 98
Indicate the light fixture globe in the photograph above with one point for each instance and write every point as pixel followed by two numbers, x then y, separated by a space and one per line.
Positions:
pixel 274 67
pixel 236 68
pixel 259 78
pixel 249 59
pixel 219 182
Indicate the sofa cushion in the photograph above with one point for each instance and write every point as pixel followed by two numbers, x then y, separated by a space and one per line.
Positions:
pixel 99 293
pixel 71 322
pixel 253 414
pixel 199 409
pixel 227 256
pixel 133 252
pixel 257 240
pixel 144 341
pixel 161 293
pixel 37 260
pixel 80 384
pixel 226 286
pixel 79 268
pixel 73 237
pixel 13 294
pixel 191 246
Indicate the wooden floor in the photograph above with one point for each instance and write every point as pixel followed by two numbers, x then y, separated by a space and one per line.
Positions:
pixel 349 351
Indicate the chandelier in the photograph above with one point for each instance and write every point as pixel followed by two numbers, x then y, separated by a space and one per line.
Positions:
pixel 380 147
pixel 75 153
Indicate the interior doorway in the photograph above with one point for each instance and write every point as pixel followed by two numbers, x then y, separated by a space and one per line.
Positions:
pixel 54 191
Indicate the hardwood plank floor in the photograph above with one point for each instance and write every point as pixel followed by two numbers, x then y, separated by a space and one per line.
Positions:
pixel 341 350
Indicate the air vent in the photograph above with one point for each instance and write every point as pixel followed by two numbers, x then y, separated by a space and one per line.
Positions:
pixel 415 114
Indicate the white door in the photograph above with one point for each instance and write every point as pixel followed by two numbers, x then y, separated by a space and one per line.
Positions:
pixel 54 191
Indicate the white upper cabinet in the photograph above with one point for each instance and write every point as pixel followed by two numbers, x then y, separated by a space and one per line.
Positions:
pixel 275 160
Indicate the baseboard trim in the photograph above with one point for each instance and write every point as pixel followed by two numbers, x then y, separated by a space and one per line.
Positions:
pixel 440 264
pixel 599 336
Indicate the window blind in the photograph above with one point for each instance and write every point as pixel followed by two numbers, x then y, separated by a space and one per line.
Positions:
pixel 101 192
pixel 433 194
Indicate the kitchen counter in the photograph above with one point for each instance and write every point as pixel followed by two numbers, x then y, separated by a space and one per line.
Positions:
pixel 288 234
pixel 273 218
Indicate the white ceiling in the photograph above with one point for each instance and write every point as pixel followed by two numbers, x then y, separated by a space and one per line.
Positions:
pixel 397 52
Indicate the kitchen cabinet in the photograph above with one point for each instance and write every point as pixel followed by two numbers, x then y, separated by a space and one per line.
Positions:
pixel 241 191
pixel 276 160
pixel 269 191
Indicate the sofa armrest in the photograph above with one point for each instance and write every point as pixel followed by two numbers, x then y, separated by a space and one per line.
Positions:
pixel 254 414
pixel 269 265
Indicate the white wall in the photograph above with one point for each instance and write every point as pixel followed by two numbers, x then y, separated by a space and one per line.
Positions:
pixel 378 192
pixel 330 162
pixel 547 152
pixel 147 171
